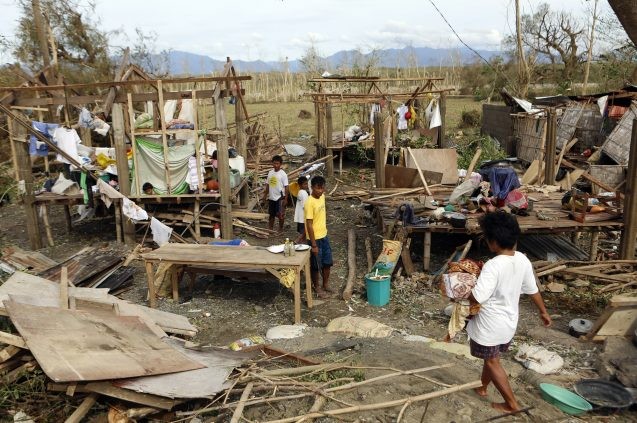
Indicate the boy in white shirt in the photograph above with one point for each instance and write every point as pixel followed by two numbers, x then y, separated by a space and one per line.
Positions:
pixel 276 191
pixel 498 289
pixel 299 213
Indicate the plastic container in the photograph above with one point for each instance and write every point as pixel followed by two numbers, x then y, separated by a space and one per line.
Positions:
pixel 378 289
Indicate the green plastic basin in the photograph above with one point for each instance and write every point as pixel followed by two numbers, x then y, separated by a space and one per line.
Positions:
pixel 565 400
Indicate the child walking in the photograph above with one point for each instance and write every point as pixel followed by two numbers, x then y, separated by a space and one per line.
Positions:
pixel 316 230
pixel 498 289
pixel 299 213
pixel 276 191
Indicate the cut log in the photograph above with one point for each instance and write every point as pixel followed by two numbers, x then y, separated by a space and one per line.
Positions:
pixel 351 264
pixel 370 256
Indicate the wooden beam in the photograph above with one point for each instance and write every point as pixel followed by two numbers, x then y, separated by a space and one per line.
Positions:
pixel 128 83
pixel 629 233
pixel 110 97
pixel 443 113
pixel 119 137
pixel 10 339
pixel 329 129
pixel 83 409
pixel 25 179
pixel 379 151
pixel 163 135
pixel 30 102
pixel 131 118
pixel 223 163
pixel 551 144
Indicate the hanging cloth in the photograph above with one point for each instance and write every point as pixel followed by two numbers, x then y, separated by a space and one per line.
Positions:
pixel 374 109
pixel 402 121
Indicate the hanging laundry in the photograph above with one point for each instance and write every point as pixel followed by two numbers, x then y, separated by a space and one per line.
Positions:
pixel 411 121
pixel 108 193
pixel 161 232
pixel 133 211
pixel 85 118
pixel 375 109
pixel 39 148
pixel 402 121
pixel 436 119
pixel 99 126
pixel 67 140
pixel 194 178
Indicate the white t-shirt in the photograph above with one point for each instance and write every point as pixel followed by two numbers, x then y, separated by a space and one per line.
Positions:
pixel 67 140
pixel 299 213
pixel 402 122
pixel 498 290
pixel 277 181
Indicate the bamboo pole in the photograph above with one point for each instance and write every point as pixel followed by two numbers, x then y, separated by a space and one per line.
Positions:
pixel 381 405
pixel 422 177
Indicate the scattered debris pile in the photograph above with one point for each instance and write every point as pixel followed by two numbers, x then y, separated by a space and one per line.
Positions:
pixel 606 276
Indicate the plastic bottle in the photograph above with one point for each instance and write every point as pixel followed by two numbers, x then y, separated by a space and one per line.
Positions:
pixel 217 231
pixel 286 247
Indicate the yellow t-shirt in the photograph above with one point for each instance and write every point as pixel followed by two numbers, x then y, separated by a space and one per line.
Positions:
pixel 315 210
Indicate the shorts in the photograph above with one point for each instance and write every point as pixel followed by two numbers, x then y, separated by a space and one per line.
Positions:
pixel 300 228
pixel 275 207
pixel 324 256
pixel 484 352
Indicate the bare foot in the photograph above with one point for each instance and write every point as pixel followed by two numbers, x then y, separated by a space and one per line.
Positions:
pixel 481 391
pixel 320 293
pixel 504 407
pixel 328 289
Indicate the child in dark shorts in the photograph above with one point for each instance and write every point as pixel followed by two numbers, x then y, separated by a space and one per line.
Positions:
pixel 498 289
pixel 316 231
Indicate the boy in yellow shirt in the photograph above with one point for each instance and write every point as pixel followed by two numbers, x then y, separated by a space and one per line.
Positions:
pixel 316 231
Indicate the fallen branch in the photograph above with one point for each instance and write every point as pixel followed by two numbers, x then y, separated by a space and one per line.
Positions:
pixel 236 416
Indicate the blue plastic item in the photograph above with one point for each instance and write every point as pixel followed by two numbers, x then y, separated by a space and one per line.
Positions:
pixel 378 289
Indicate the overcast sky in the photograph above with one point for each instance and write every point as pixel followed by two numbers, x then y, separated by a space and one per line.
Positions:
pixel 275 29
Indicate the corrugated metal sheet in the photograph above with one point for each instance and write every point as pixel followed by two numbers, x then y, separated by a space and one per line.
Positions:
pixel 617 145
pixel 24 261
pixel 539 247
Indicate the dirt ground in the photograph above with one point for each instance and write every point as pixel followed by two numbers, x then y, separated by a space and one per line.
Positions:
pixel 240 308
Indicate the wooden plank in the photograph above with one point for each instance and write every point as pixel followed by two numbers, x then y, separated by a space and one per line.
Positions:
pixel 422 177
pixel 84 407
pixel 74 345
pixel 212 254
pixel 64 289
pixel 9 352
pixel 443 160
pixel 629 234
pixel 10 339
pixel 106 388
pixel 164 140
pixel 26 261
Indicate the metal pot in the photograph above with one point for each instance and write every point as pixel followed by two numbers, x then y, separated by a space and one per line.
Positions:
pixel 458 220
pixel 579 327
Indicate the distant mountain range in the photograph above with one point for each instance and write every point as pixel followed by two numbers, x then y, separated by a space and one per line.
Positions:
pixel 182 62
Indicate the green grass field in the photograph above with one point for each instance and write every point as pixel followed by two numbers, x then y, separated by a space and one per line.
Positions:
pixel 285 116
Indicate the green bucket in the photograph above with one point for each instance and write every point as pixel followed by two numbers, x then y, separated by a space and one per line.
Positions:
pixel 565 400
pixel 378 289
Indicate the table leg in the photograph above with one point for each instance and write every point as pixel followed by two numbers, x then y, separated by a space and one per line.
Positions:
pixel 297 296
pixel 426 254
pixel 340 163
pixel 67 216
pixel 150 275
pixel 175 283
pixel 308 285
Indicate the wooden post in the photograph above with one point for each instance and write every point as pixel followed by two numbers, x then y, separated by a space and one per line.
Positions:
pixel 85 134
pixel 196 212
pixel 551 140
pixel 25 176
pixel 164 139
pixel 627 249
pixel 443 112
pixel 426 255
pixel 329 128
pixel 379 152
pixel 317 116
pixel 118 220
pixel 131 118
pixel 123 176
pixel 241 142
pixel 223 168
pixel 14 154
pixel 594 243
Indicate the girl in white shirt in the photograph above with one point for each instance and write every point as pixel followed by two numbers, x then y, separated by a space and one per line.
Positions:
pixel 498 289
pixel 299 213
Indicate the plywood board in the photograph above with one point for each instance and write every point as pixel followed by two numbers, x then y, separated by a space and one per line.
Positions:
pixel 78 345
pixel 621 322
pixel 442 160
pixel 405 177
pixel 200 383
pixel 30 289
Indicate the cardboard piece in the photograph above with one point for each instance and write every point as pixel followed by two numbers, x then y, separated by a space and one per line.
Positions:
pixel 405 177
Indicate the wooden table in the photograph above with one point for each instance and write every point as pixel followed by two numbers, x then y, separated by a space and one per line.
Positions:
pixel 236 258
